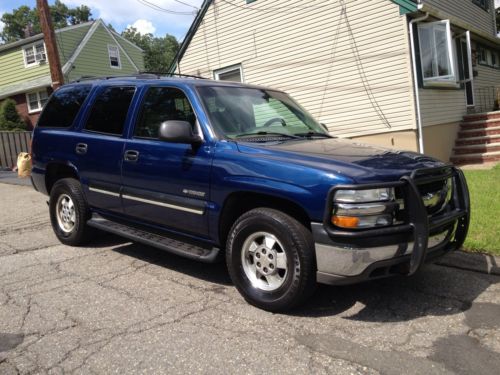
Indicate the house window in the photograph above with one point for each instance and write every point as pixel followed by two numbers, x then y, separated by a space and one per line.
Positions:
pixel 488 57
pixel 34 54
pixel 114 56
pixel 36 100
pixel 232 73
pixel 481 55
pixel 485 4
pixel 436 53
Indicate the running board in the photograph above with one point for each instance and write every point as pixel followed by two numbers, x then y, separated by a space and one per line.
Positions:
pixel 175 246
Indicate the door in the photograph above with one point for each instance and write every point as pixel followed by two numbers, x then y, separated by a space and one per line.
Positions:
pixel 466 62
pixel 164 183
pixel 100 147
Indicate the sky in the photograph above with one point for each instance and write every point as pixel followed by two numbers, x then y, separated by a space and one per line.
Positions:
pixel 124 13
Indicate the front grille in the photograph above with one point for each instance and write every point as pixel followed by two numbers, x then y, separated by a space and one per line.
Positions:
pixel 436 190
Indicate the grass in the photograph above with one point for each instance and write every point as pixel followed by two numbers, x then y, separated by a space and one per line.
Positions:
pixel 484 231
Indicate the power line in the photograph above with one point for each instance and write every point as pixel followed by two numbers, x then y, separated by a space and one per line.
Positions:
pixel 164 10
pixel 260 9
pixel 186 4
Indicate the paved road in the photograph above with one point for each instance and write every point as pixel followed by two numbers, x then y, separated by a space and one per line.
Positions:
pixel 118 307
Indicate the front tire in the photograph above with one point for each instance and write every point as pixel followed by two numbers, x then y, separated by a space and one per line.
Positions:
pixel 270 257
pixel 69 212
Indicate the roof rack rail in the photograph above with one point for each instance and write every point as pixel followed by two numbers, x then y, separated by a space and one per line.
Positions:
pixel 144 75
pixel 170 74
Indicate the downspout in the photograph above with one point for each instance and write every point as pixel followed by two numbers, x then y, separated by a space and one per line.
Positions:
pixel 415 83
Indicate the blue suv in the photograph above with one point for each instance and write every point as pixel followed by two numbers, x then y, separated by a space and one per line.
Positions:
pixel 208 169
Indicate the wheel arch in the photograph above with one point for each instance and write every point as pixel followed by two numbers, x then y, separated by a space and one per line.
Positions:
pixel 58 170
pixel 237 203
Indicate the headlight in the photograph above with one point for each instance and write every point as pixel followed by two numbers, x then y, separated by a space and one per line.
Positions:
pixel 370 195
pixel 361 209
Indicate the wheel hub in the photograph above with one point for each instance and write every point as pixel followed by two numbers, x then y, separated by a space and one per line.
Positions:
pixel 265 260
pixel 65 212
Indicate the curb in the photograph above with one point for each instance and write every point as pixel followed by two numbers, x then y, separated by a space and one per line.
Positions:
pixel 476 262
pixel 11 178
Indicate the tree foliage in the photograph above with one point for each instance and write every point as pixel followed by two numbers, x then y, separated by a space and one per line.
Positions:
pixel 24 18
pixel 9 117
pixel 159 52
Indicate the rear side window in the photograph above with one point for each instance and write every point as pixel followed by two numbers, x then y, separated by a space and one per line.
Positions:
pixel 109 112
pixel 63 106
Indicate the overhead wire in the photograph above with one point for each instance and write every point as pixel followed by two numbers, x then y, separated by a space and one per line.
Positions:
pixel 260 9
pixel 165 10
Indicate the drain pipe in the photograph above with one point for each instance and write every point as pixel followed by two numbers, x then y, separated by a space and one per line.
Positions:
pixel 415 83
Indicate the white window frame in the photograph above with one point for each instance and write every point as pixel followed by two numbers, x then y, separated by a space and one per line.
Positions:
pixel 228 69
pixel 113 46
pixel 450 79
pixel 39 106
pixel 32 47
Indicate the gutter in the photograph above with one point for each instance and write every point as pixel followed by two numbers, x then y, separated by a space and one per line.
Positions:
pixel 415 83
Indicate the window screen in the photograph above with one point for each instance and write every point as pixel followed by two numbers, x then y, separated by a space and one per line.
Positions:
pixel 109 111
pixel 63 106
pixel 162 104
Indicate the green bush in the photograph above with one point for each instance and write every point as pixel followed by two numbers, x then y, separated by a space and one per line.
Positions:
pixel 9 117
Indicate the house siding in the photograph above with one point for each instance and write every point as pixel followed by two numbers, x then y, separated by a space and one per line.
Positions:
pixel 68 40
pixel 94 59
pixel 469 12
pixel 442 106
pixel 359 87
pixel 135 53
pixel 13 70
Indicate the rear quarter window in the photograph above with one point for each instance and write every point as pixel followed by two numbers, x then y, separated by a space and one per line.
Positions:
pixel 63 106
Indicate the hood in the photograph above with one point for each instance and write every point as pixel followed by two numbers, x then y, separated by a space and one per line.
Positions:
pixel 361 162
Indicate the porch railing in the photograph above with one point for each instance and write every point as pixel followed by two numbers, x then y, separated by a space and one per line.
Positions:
pixel 486 99
pixel 11 144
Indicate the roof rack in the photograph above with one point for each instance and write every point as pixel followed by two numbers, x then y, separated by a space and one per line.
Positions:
pixel 140 75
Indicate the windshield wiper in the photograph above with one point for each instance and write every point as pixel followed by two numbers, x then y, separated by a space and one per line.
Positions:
pixel 267 133
pixel 313 134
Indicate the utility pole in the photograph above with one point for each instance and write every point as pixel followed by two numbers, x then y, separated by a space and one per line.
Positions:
pixel 49 38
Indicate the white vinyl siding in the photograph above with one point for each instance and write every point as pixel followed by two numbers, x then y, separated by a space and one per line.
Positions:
pixel 356 87
pixel 467 11
pixel 442 106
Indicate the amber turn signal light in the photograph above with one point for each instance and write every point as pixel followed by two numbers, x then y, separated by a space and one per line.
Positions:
pixel 345 221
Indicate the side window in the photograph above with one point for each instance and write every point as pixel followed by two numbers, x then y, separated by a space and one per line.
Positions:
pixel 63 106
pixel 109 111
pixel 162 104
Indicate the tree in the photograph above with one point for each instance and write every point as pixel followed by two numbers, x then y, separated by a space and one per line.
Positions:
pixel 25 18
pixel 9 117
pixel 159 52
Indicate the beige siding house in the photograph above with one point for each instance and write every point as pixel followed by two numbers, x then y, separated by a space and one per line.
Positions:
pixel 351 63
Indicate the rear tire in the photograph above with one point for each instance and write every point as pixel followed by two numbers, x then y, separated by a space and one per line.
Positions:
pixel 69 212
pixel 271 261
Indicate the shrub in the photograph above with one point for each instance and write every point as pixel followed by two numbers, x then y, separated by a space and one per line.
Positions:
pixel 9 117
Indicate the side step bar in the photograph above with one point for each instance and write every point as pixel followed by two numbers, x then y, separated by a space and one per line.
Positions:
pixel 176 246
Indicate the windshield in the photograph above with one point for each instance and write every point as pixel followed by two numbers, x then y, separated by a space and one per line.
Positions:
pixel 239 112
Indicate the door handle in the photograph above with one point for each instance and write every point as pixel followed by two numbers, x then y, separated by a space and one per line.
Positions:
pixel 131 155
pixel 81 148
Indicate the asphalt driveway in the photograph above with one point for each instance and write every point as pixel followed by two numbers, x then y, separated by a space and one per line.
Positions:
pixel 119 307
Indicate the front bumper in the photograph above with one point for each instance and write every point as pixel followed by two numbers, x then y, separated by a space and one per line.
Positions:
pixel 352 256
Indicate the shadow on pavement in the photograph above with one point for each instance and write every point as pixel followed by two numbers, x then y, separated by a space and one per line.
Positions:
pixel 211 272
pixel 436 290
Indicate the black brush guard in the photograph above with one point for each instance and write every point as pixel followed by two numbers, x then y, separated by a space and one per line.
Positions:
pixel 417 226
